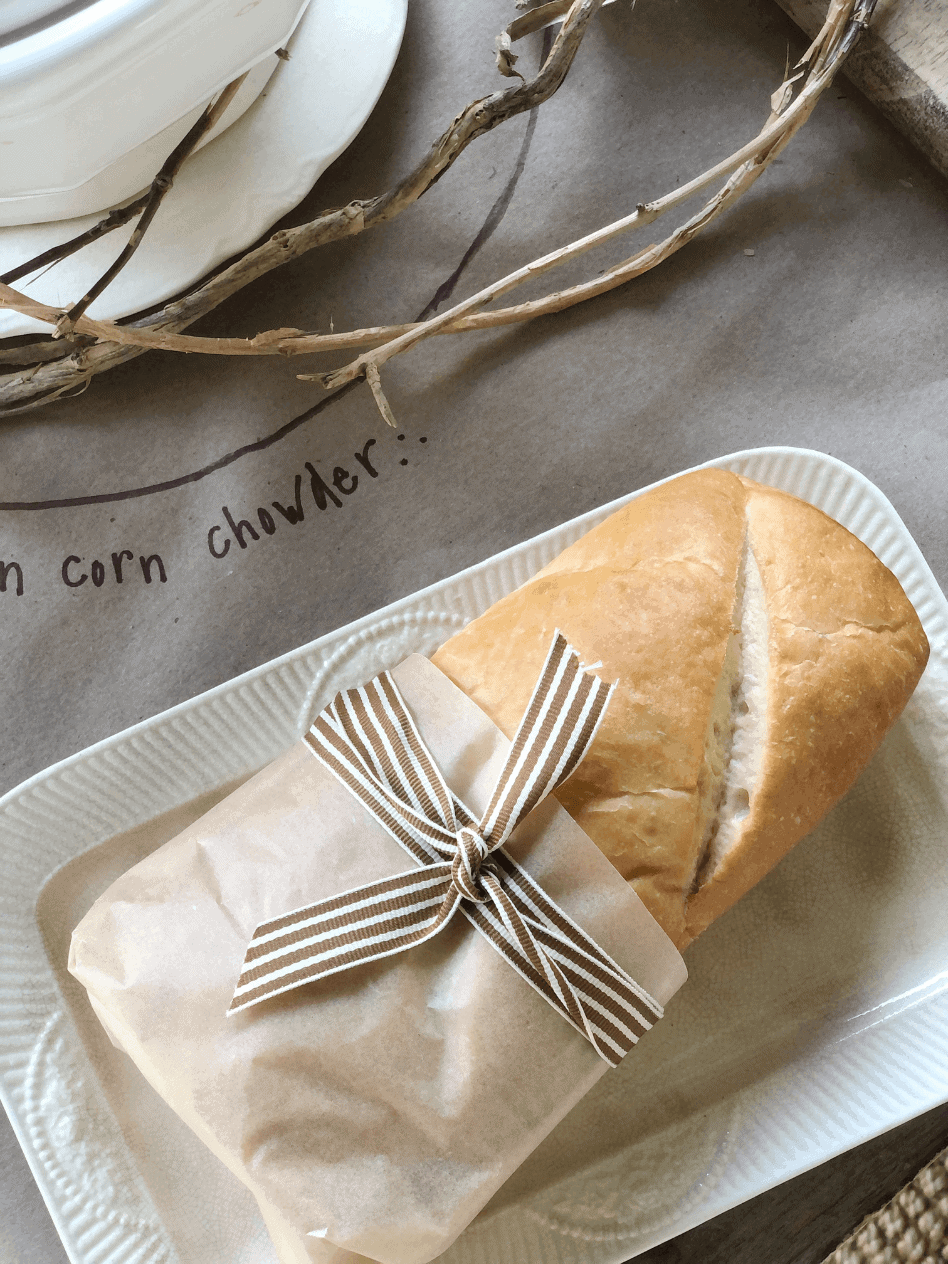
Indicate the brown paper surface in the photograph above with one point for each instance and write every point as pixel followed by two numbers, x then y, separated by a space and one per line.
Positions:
pixel 830 336
pixel 376 1110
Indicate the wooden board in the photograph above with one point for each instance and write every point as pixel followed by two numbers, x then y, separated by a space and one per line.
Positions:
pixel 901 63
pixel 804 1220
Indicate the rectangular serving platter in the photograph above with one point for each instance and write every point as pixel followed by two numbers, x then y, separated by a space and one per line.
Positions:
pixel 815 1016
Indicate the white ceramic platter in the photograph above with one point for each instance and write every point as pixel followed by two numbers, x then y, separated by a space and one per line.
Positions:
pixel 815 1017
pixel 231 191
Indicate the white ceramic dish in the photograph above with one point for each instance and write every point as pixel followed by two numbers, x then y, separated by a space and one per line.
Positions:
pixel 816 1015
pixel 78 93
pixel 230 192
pixel 16 14
pixel 136 167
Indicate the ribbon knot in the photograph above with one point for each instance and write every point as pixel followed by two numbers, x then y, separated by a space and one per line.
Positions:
pixel 368 740
pixel 466 866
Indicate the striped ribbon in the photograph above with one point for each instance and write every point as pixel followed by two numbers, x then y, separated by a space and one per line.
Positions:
pixel 367 738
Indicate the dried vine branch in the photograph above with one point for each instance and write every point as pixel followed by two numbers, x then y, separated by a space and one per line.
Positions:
pixel 115 219
pixel 41 383
pixel 826 55
pixel 153 199
pixel 845 20
pixel 147 201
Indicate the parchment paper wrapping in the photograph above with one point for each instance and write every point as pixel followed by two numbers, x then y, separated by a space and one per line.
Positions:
pixel 379 1109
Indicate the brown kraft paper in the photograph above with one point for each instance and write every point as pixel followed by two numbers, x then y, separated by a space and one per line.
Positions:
pixel 375 1111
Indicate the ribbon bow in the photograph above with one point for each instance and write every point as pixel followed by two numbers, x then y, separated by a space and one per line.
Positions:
pixel 367 738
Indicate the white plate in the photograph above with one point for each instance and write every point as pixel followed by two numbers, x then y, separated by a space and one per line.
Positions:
pixel 129 70
pixel 816 1015
pixel 230 192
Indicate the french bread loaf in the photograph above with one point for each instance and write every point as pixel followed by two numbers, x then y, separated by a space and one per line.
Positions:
pixel 761 653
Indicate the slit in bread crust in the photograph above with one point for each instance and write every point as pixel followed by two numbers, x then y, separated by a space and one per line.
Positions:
pixel 738 737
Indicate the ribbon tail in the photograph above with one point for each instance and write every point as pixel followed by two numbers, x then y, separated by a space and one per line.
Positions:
pixel 559 725
pixel 367 924
pixel 561 933
pixel 368 739
pixel 426 840
pixel 590 990
pixel 536 966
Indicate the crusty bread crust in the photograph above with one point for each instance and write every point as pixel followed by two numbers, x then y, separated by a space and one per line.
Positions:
pixel 846 651
pixel 653 594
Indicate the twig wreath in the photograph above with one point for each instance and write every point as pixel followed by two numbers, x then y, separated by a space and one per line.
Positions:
pixel 81 347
